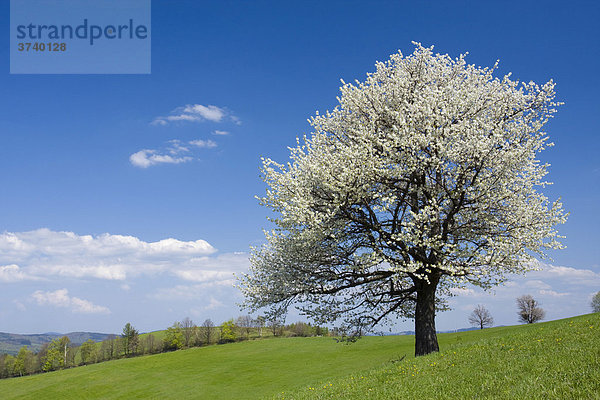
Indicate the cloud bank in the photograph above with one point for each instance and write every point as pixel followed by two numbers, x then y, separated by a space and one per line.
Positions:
pixel 562 291
pixel 46 254
pixel 176 152
pixel 197 113
pixel 145 158
pixel 45 274
pixel 12 273
pixel 61 298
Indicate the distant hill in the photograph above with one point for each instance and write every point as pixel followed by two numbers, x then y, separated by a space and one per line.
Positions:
pixel 10 343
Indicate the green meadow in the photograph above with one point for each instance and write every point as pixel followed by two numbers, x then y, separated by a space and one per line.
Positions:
pixel 557 359
pixel 553 360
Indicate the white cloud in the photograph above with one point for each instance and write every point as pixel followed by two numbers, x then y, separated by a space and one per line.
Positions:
pixel 175 153
pixel 463 292
pixel 176 147
pixel 197 291
pixel 12 273
pixel 562 291
pixel 220 133
pixel 568 274
pixel 210 112
pixel 552 293
pixel 204 276
pixel 145 158
pixel 46 253
pixel 60 298
pixel 197 113
pixel 537 284
pixel 209 144
pixel 172 246
pixel 210 275
pixel 213 304
pixel 183 117
pixel 19 306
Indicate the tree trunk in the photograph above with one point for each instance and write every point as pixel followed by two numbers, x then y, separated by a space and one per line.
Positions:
pixel 425 335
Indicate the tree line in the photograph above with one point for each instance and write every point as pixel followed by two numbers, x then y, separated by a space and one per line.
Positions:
pixel 61 353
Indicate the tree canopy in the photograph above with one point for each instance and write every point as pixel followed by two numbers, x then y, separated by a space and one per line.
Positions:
pixel 529 310
pixel 481 317
pixel 595 303
pixel 424 178
pixel 131 340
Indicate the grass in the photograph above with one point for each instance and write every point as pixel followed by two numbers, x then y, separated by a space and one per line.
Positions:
pixel 559 359
pixel 553 360
pixel 243 370
pixel 246 370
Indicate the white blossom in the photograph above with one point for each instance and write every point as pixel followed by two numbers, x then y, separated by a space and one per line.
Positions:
pixel 425 172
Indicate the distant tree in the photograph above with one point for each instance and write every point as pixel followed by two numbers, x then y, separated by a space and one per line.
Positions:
pixel 173 339
pixel 529 310
pixel 109 348
pixel 596 302
pixel 206 331
pixel 302 329
pixel 259 324
pixel 31 362
pixel 117 349
pixel 24 362
pixel 276 321
pixel 481 317
pixel 321 331
pixel 3 373
pixel 130 339
pixel 9 365
pixel 104 351
pixel 141 346
pixel 19 364
pixel 64 343
pixel 56 355
pixel 88 352
pixel 245 324
pixel 71 354
pixel 41 356
pixel 228 332
pixel 189 329
pixel 150 343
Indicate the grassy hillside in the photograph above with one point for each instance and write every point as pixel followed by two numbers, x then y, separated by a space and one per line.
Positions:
pixel 558 359
pixel 553 360
pixel 246 370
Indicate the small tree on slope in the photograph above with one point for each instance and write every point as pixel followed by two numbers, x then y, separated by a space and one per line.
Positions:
pixel 529 310
pixel 130 337
pixel 424 178
pixel 481 317
pixel 596 302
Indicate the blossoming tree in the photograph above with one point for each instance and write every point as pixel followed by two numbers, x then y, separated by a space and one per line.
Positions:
pixel 423 179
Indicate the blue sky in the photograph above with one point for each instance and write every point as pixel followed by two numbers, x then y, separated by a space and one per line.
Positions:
pixel 130 198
